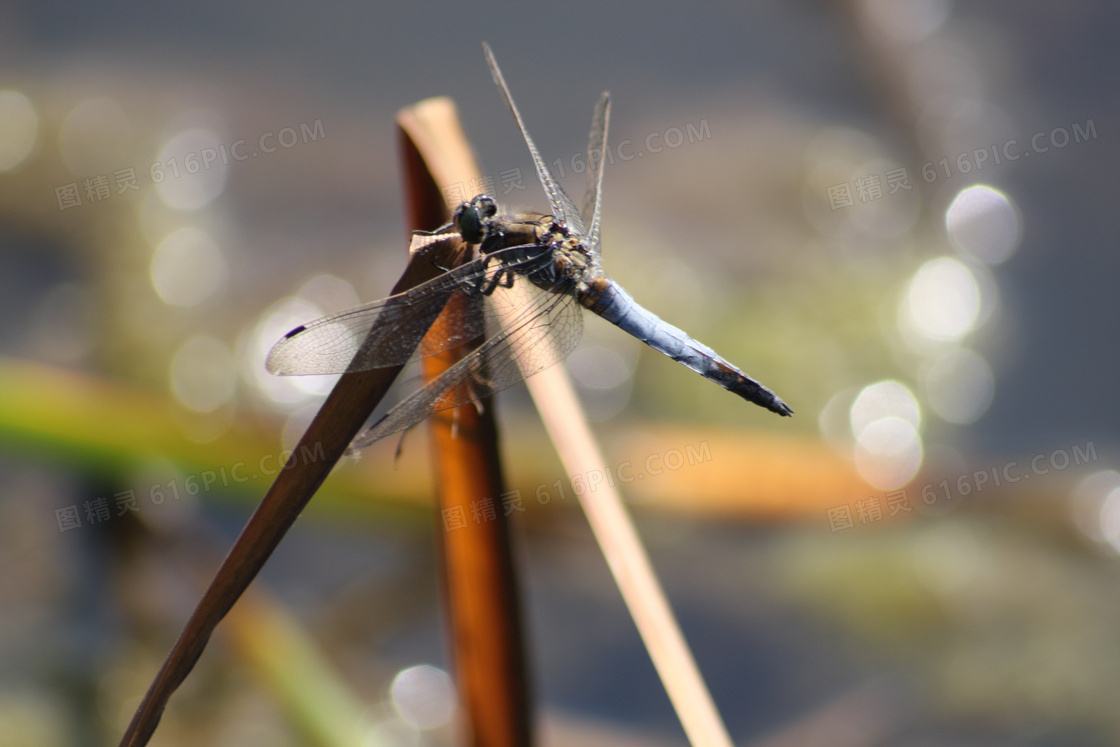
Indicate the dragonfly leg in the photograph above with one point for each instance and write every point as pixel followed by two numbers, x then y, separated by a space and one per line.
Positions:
pixel 483 286
pixel 479 286
pixel 479 406
pixel 480 387
pixel 503 278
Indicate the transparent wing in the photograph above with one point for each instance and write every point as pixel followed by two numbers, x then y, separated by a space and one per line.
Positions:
pixel 561 205
pixel 389 332
pixel 596 142
pixel 541 328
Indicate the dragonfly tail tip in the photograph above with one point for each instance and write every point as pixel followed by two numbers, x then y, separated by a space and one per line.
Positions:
pixel 778 406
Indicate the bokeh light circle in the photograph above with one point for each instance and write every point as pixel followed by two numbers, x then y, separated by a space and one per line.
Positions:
pixel 885 399
pixel 983 224
pixel 885 418
pixel 203 374
pixel 959 386
pixel 424 696
pixel 190 170
pixel 888 453
pixel 188 267
pixel 942 300
pixel 95 138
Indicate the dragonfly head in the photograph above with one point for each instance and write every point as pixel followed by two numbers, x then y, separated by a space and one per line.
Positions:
pixel 470 217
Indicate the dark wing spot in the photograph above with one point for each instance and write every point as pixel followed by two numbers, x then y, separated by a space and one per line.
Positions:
pixel 296 331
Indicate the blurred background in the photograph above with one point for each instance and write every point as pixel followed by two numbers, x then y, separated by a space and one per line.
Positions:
pixel 898 215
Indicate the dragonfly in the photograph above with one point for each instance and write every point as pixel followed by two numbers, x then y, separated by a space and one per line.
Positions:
pixel 522 293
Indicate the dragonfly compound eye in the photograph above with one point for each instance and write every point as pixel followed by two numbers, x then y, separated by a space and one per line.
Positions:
pixel 469 223
pixel 470 217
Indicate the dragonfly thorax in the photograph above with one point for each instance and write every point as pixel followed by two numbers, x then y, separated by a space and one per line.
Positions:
pixel 571 255
pixel 541 248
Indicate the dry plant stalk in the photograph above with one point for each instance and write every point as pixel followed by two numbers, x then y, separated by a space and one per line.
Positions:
pixel 477 569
